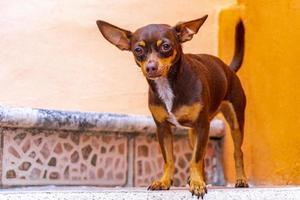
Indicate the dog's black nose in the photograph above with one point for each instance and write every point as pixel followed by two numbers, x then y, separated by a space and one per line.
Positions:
pixel 151 66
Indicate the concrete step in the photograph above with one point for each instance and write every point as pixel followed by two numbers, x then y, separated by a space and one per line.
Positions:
pixel 55 147
pixel 97 193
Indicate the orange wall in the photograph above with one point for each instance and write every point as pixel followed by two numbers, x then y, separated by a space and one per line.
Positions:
pixel 270 76
pixel 53 56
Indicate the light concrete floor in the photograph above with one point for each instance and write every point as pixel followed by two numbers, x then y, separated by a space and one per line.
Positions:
pixel 93 193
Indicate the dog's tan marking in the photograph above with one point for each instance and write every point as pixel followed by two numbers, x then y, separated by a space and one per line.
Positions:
pixel 142 64
pixel 142 43
pixel 188 113
pixel 230 116
pixel 166 63
pixel 159 113
pixel 228 109
pixel 165 138
pixel 192 137
pixel 197 183
pixel 158 43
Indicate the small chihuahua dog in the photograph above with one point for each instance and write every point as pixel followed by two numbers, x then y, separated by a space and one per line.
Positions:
pixel 186 90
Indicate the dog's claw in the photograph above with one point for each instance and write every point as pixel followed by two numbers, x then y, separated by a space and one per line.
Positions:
pixel 241 183
pixel 202 195
pixel 198 188
pixel 188 180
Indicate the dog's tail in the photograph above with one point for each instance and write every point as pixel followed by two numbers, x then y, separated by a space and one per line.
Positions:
pixel 239 47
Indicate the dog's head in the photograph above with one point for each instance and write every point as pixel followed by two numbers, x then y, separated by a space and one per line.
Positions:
pixel 156 47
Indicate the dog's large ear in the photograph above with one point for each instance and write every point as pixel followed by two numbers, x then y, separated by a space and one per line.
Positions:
pixel 186 30
pixel 115 35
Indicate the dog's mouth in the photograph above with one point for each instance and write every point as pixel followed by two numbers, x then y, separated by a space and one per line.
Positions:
pixel 153 76
pixel 159 73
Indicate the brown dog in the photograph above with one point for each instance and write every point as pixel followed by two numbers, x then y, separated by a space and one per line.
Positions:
pixel 186 90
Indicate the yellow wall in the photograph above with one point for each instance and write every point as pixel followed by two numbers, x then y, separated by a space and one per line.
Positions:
pixel 270 76
pixel 53 56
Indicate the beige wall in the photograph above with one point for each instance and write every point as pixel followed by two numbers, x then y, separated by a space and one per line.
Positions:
pixel 52 55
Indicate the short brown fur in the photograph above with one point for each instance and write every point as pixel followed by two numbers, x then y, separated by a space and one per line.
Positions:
pixel 186 90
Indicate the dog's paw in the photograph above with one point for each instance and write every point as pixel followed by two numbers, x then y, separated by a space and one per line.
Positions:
pixel 160 185
pixel 198 188
pixel 241 183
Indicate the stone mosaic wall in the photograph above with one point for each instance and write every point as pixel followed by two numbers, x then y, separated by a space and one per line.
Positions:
pixel 32 157
pixel 149 161
pixel 42 147
pixel 41 157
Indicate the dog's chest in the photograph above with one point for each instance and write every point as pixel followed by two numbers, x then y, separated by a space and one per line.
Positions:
pixel 181 114
pixel 165 92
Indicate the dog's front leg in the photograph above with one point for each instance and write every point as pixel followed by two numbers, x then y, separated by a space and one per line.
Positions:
pixel 197 177
pixel 165 139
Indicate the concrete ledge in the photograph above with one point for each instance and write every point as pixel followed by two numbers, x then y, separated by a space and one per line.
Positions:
pixel 93 193
pixel 13 117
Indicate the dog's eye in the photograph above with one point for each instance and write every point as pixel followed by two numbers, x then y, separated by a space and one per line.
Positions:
pixel 165 47
pixel 139 51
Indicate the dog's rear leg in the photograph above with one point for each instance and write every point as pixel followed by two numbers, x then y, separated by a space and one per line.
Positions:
pixel 165 139
pixel 234 111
